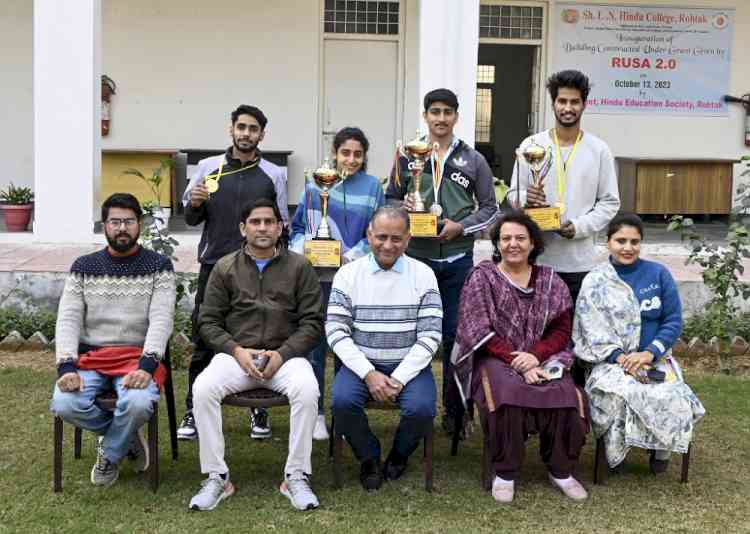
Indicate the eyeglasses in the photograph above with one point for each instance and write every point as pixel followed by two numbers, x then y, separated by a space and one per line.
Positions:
pixel 116 223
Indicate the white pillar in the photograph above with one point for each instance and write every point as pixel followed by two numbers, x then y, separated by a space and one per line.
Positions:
pixel 448 53
pixel 67 156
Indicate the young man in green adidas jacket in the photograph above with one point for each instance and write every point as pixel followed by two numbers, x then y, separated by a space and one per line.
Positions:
pixel 467 203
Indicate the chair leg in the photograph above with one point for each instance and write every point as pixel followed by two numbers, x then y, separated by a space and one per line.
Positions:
pixel 428 456
pixel 331 438
pixel 57 457
pixel 153 447
pixel 686 465
pixel 486 475
pixel 77 438
pixel 600 462
pixel 171 414
pixel 458 425
pixel 338 444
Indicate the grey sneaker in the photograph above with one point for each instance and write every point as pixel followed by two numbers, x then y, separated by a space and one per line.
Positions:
pixel 138 453
pixel 213 490
pixel 104 473
pixel 297 489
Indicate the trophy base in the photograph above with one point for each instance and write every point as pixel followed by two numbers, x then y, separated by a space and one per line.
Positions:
pixel 546 218
pixel 423 224
pixel 323 252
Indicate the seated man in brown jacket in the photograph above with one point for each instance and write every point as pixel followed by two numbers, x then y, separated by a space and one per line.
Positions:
pixel 262 314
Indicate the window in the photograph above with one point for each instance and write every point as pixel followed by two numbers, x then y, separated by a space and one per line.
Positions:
pixel 510 22
pixel 361 16
pixel 483 125
pixel 485 73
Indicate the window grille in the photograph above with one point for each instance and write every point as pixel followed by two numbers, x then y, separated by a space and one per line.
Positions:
pixel 361 16
pixel 510 22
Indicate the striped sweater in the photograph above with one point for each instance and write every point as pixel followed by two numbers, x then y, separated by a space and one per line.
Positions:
pixel 378 316
pixel 111 301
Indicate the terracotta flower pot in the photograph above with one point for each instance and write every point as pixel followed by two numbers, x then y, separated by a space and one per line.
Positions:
pixel 17 217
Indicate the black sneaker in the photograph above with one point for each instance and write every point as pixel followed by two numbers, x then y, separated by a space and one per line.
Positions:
pixel 394 467
pixel 260 427
pixel 657 466
pixel 371 475
pixel 187 430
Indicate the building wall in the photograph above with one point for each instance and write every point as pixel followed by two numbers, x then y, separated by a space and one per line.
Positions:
pixel 16 93
pixel 648 135
pixel 182 66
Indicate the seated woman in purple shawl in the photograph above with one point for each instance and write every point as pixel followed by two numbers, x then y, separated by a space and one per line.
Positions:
pixel 513 355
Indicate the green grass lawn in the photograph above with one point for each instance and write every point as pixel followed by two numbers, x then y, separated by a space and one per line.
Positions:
pixel 716 499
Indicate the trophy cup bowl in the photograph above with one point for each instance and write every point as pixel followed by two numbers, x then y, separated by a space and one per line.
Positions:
pixel 323 250
pixel 539 159
pixel 417 151
pixel 325 178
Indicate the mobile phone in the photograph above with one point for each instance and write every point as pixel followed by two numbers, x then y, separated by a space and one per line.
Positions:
pixel 654 375
pixel 260 361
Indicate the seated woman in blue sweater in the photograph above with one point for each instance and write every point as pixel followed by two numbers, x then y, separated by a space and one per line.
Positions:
pixel 351 205
pixel 628 316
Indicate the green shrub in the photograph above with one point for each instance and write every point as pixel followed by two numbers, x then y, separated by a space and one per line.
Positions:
pixel 182 323
pixel 704 327
pixel 27 322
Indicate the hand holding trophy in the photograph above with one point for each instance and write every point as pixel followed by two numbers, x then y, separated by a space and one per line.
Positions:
pixel 323 250
pixel 423 222
pixel 539 160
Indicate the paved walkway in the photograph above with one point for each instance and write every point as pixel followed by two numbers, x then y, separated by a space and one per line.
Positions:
pixel 52 258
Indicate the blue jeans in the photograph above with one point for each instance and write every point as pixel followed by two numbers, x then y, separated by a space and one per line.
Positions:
pixel 450 278
pixel 318 355
pixel 132 411
pixel 417 402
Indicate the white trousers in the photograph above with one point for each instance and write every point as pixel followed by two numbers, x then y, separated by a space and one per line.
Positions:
pixel 224 376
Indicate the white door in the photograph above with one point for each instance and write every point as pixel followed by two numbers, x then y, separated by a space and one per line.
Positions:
pixel 360 89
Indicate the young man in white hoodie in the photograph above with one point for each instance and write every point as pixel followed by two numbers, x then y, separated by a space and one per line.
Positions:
pixel 580 179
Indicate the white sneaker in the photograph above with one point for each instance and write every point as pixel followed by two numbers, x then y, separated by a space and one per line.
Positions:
pixel 570 487
pixel 297 489
pixel 213 490
pixel 320 432
pixel 503 490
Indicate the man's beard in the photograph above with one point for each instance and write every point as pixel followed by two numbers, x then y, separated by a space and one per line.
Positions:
pixel 567 123
pixel 251 148
pixel 121 246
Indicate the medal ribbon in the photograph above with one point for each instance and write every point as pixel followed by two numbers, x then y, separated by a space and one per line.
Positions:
pixel 220 172
pixel 562 168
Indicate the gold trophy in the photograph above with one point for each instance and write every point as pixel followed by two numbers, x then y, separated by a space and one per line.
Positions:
pixel 323 250
pixel 423 222
pixel 539 160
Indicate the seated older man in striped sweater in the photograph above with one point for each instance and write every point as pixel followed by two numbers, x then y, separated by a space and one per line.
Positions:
pixel 384 323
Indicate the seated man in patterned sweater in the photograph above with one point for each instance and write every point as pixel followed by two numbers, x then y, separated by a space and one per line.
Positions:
pixel 113 324
pixel 384 324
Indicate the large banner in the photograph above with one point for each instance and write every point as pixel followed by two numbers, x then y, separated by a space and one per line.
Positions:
pixel 648 59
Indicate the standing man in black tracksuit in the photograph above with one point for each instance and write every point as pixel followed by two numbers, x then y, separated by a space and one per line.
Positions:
pixel 218 191
pixel 467 205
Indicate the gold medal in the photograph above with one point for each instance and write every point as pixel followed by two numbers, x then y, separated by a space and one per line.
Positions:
pixel 436 210
pixel 212 185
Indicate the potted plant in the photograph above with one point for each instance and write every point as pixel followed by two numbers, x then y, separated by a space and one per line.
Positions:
pixel 17 203
pixel 154 182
